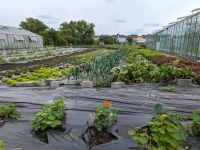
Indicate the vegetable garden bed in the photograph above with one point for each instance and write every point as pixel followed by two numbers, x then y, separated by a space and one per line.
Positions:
pixel 134 104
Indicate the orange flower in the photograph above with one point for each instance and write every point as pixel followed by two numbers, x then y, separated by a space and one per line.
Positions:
pixel 106 103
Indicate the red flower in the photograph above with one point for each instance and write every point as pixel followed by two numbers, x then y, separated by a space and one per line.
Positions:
pixel 106 103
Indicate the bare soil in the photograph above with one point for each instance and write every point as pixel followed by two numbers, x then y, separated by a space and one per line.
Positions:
pixel 100 137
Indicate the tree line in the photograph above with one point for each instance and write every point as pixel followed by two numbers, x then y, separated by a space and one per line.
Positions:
pixel 69 33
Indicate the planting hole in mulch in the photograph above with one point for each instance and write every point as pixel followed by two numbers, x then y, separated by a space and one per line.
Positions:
pixel 2 119
pixel 42 136
pixel 100 137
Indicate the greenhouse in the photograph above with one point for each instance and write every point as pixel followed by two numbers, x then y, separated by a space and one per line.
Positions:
pixel 16 38
pixel 181 37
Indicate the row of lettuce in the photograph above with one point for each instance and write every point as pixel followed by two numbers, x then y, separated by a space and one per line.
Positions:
pixel 101 67
pixel 164 131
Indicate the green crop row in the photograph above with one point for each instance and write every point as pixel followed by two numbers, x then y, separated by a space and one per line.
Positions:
pixel 138 69
pixel 99 70
pixel 39 74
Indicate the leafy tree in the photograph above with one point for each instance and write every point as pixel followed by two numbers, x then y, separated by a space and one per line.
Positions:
pixel 108 39
pixel 78 32
pixel 130 40
pixel 33 25
pixel 51 37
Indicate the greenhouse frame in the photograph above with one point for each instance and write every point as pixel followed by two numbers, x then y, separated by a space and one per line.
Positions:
pixel 181 37
pixel 17 38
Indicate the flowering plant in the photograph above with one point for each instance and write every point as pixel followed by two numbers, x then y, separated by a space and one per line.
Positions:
pixel 105 115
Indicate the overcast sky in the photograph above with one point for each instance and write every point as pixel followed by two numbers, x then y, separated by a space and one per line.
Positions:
pixel 109 16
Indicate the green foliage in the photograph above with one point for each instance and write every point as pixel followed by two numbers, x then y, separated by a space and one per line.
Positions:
pixel 149 53
pixel 168 88
pixel 1 145
pixel 50 116
pixel 196 122
pixel 9 81
pixel 130 40
pixel 108 39
pixel 77 32
pixel 105 115
pixel 33 25
pixel 9 110
pixel 89 57
pixel 99 70
pixel 39 74
pixel 1 60
pixel 138 69
pixel 67 72
pixel 164 132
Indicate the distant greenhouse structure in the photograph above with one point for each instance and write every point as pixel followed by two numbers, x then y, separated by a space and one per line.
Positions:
pixel 17 38
pixel 181 37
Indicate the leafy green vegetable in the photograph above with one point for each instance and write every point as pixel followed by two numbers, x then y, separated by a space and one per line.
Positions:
pixel 9 110
pixel 50 116
pixel 164 132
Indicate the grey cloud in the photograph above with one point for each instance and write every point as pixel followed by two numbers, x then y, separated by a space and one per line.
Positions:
pixel 153 24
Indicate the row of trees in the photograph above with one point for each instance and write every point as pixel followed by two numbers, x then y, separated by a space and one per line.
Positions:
pixel 73 32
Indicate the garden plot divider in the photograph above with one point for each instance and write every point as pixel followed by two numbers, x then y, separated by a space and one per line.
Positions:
pixel 99 70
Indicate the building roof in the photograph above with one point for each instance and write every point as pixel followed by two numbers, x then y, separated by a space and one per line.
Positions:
pixel 15 31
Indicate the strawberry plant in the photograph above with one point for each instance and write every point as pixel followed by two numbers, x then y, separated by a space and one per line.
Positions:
pixel 8 110
pixel 50 116
pixel 105 115
pixel 164 132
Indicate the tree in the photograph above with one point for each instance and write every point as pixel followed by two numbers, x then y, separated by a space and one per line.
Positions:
pixel 108 39
pixel 33 25
pixel 78 32
pixel 130 40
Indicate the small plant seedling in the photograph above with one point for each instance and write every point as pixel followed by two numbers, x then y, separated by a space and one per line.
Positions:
pixel 168 88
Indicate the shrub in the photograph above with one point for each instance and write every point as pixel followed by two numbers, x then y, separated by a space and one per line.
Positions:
pixel 50 116
pixel 164 132
pixel 9 110
pixel 105 115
